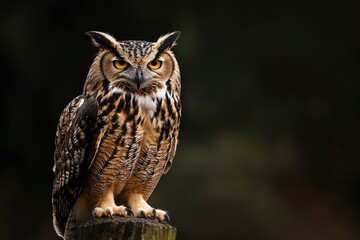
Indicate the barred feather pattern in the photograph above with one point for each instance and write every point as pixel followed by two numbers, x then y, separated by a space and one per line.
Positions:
pixel 136 148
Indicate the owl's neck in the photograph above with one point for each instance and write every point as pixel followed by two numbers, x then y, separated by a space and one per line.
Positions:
pixel 149 102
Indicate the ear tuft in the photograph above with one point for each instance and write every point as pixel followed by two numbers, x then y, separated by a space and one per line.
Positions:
pixel 102 40
pixel 167 41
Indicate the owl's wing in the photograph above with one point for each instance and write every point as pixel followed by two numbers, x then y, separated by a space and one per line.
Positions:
pixel 171 149
pixel 75 147
pixel 172 123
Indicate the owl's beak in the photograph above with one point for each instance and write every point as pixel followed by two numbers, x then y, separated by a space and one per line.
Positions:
pixel 139 77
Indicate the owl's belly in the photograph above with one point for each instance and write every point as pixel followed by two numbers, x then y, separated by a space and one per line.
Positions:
pixel 146 173
pixel 135 145
pixel 148 166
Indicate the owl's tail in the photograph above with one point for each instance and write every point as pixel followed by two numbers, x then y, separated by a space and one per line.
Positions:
pixel 71 228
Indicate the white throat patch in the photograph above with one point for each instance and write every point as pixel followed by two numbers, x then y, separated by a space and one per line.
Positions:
pixel 150 102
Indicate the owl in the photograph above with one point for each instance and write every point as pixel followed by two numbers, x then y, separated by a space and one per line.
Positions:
pixel 115 141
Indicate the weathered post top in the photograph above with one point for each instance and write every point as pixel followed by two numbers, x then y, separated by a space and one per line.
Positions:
pixel 129 228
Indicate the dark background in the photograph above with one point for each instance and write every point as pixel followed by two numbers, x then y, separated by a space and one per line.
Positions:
pixel 269 144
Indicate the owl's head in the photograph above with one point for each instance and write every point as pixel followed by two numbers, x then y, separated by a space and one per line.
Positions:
pixel 139 67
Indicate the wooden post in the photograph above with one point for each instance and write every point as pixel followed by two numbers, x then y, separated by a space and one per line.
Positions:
pixel 125 228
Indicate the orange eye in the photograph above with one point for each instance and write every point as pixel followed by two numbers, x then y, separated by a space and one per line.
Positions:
pixel 120 64
pixel 156 64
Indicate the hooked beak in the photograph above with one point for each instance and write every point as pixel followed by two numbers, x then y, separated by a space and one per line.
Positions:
pixel 139 77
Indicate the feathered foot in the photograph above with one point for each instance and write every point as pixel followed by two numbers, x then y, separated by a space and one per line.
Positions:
pixel 142 209
pixel 108 208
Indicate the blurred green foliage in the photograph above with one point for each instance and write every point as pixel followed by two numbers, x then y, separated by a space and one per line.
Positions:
pixel 269 145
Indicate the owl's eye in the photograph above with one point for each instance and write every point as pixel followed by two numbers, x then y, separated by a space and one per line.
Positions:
pixel 120 64
pixel 156 64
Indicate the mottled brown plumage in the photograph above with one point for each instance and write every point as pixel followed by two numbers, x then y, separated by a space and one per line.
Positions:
pixel 115 141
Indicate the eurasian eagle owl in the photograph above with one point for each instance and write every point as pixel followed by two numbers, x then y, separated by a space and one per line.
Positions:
pixel 115 141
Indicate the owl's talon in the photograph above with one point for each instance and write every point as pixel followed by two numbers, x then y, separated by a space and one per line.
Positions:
pixel 142 214
pixel 154 213
pixel 97 213
pixel 167 218
pixel 109 212
pixel 94 213
pixel 129 212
